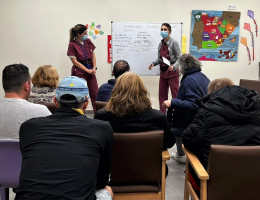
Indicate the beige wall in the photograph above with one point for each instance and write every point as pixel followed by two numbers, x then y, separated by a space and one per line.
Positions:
pixel 36 32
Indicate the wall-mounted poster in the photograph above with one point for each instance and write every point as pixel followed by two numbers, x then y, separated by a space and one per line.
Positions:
pixel 214 35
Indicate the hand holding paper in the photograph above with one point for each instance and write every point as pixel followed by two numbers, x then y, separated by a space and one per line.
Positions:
pixel 166 61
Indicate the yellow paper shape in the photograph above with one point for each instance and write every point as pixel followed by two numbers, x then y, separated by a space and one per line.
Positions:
pixel 183 44
pixel 96 31
pixel 243 41
pixel 92 27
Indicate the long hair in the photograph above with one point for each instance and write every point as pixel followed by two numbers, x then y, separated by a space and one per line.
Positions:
pixel 129 96
pixel 218 84
pixel 187 62
pixel 46 76
pixel 78 29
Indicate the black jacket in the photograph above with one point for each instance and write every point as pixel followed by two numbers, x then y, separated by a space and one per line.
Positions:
pixel 229 116
pixel 149 120
pixel 65 156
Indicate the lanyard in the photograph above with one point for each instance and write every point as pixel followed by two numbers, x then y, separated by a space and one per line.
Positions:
pixel 84 52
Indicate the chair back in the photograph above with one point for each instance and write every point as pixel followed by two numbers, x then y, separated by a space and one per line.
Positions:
pixel 250 84
pixel 137 162
pixel 10 163
pixel 51 106
pixel 234 172
pixel 100 105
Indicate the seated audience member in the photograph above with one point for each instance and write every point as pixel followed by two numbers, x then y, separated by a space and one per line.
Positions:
pixel 193 85
pixel 228 115
pixel 14 108
pixel 105 90
pixel 66 155
pixel 129 109
pixel 45 80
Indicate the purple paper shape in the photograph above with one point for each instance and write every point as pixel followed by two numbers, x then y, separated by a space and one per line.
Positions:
pixel 250 13
pixel 98 26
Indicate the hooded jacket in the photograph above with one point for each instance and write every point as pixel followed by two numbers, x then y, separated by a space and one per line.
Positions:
pixel 229 116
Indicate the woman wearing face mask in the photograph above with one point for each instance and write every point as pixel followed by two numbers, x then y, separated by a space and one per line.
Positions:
pixel 169 74
pixel 81 53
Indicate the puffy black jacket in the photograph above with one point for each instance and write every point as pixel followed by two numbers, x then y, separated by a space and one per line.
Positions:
pixel 229 116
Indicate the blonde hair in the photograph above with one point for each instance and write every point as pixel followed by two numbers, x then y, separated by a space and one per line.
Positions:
pixel 46 76
pixel 129 96
pixel 218 84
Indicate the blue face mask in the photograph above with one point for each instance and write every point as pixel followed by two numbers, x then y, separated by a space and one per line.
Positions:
pixel 85 37
pixel 164 34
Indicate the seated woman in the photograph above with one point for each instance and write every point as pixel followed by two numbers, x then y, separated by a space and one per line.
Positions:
pixel 229 115
pixel 129 109
pixel 45 80
pixel 182 110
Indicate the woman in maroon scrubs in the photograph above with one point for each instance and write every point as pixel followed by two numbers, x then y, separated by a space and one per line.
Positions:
pixel 169 74
pixel 81 53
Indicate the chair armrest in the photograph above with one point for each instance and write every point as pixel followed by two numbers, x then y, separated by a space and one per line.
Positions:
pixel 196 165
pixel 165 155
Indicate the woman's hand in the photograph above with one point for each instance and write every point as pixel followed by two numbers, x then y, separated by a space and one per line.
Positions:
pixel 170 68
pixel 91 71
pixel 150 66
pixel 167 103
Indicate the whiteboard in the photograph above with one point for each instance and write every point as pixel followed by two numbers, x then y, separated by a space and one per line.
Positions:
pixel 137 43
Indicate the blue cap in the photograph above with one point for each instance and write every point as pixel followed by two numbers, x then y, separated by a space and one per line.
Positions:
pixel 74 86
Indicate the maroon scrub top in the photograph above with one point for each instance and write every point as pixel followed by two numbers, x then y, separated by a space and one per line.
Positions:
pixel 80 51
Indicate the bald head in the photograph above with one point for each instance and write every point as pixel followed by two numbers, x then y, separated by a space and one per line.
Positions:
pixel 120 67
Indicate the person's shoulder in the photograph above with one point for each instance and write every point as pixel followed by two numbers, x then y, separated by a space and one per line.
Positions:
pixel 153 113
pixel 102 114
pixel 42 110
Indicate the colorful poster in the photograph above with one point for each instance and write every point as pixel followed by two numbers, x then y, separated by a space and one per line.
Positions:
pixel 214 35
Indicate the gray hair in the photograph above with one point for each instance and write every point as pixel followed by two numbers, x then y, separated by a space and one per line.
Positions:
pixel 187 62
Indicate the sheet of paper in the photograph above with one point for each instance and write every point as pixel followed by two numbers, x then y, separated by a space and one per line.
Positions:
pixel 166 61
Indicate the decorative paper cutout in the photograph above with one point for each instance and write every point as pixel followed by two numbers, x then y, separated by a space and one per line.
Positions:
pixel 250 14
pixel 248 28
pixel 243 41
pixel 95 30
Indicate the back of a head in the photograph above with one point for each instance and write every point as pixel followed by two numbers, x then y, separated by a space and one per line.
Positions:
pixel 129 96
pixel 120 67
pixel 188 62
pixel 46 76
pixel 72 92
pixel 14 77
pixel 218 84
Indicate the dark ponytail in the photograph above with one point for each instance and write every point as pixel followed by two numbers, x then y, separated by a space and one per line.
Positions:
pixel 78 29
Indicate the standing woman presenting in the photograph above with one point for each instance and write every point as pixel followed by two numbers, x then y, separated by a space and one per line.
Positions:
pixel 81 53
pixel 169 74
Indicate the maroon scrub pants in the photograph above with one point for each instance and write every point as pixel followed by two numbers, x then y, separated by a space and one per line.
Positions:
pixel 168 79
pixel 91 81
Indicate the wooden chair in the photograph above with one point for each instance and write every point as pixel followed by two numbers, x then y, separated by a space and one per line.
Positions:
pixel 10 166
pixel 250 84
pixel 138 166
pixel 100 105
pixel 233 173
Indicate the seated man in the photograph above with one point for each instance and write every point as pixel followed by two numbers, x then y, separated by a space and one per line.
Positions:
pixel 14 108
pixel 194 85
pixel 66 155
pixel 104 92
pixel 228 116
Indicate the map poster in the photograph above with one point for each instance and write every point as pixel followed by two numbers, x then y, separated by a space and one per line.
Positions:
pixel 214 35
